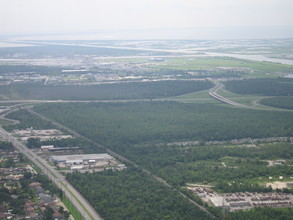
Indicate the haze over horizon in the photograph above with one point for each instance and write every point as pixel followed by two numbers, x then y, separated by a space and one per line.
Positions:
pixel 147 19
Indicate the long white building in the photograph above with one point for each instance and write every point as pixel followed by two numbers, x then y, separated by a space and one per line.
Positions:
pixel 81 158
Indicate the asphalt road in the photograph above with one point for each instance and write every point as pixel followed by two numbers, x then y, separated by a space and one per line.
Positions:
pixel 213 93
pixel 81 204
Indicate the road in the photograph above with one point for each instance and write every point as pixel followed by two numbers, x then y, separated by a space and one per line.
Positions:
pixel 81 204
pixel 213 93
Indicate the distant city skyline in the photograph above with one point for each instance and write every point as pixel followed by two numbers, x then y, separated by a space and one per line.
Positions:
pixel 224 19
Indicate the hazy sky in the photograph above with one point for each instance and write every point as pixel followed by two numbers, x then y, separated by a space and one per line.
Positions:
pixel 59 16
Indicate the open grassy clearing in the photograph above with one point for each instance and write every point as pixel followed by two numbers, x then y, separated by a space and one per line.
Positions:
pixel 255 68
pixel 201 94
pixel 4 122
pixel 248 100
pixel 199 101
pixel 196 97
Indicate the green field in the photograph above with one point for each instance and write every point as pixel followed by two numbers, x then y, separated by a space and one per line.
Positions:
pixel 249 100
pixel 254 68
pixel 4 122
pixel 195 97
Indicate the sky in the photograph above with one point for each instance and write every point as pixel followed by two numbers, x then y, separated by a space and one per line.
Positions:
pixel 79 16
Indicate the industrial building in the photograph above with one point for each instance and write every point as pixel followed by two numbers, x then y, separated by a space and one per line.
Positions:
pixel 86 162
pixel 80 158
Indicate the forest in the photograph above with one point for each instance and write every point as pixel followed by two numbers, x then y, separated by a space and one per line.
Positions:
pixel 146 128
pixel 131 194
pixel 130 90
pixel 27 120
pixel 119 124
pixel 204 164
pixel 265 87
pixel 265 213
pixel 141 130
pixel 42 70
pixel 279 102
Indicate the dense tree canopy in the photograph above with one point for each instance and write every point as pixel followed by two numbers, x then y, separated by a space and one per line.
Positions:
pixel 279 102
pixel 266 87
pixel 130 90
pixel 131 194
pixel 117 124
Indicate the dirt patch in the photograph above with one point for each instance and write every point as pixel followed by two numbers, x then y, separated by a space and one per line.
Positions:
pixel 277 185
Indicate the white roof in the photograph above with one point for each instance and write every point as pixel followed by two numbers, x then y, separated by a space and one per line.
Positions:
pixel 74 161
pixel 47 146
pixel 82 157
pixel 217 201
pixel 76 167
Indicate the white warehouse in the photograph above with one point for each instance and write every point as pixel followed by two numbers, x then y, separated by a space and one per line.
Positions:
pixel 81 158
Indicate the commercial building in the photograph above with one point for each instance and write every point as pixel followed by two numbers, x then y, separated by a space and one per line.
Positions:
pixel 80 158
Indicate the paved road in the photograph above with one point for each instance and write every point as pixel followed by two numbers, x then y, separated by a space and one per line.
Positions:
pixel 82 205
pixel 213 93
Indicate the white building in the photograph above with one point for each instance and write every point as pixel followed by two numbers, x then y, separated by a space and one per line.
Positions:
pixel 80 158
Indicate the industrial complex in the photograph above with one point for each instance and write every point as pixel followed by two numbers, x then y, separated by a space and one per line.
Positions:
pixel 86 162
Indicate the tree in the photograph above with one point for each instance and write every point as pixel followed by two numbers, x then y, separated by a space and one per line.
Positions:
pixel 27 175
pixel 9 163
pixel 48 213
pixel 33 143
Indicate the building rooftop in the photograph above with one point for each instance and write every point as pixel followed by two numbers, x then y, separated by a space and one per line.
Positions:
pixel 81 157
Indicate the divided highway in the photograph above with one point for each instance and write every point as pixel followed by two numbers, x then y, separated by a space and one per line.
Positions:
pixel 81 204
pixel 213 93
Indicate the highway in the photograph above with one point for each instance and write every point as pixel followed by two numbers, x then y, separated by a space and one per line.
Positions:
pixel 213 93
pixel 81 204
